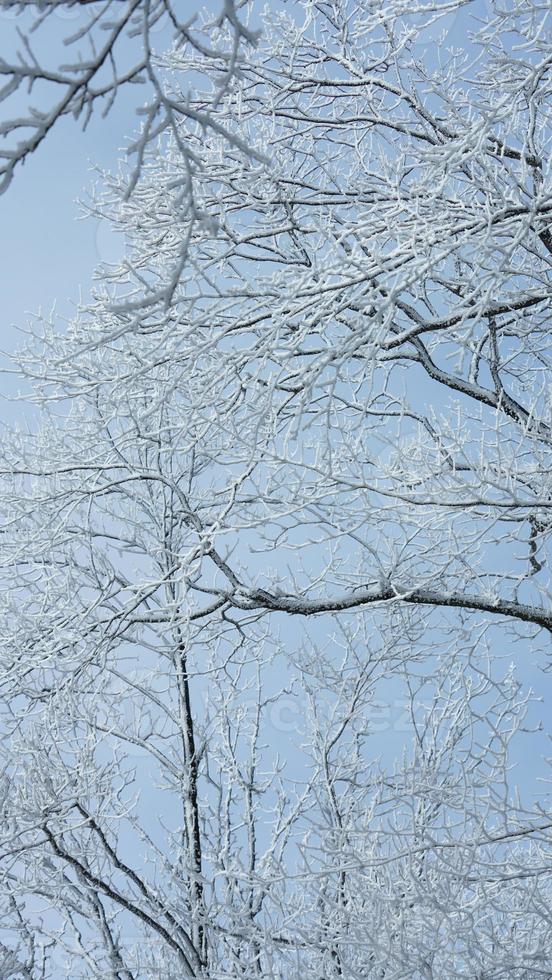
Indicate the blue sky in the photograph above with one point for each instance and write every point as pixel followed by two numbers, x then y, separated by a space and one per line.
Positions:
pixel 47 253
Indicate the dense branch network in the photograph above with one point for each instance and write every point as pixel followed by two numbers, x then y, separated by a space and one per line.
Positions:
pixel 114 45
pixel 292 463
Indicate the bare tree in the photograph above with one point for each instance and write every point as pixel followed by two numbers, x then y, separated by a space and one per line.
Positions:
pixel 294 457
pixel 112 45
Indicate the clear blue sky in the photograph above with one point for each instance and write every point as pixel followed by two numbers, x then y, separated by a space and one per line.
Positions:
pixel 47 254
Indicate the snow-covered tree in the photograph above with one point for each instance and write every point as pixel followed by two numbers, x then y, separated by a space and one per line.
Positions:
pixel 293 462
pixel 113 44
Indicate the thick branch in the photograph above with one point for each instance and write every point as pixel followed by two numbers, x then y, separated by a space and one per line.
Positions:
pixel 425 597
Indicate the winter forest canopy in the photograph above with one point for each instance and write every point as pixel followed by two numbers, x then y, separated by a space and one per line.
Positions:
pixel 275 609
